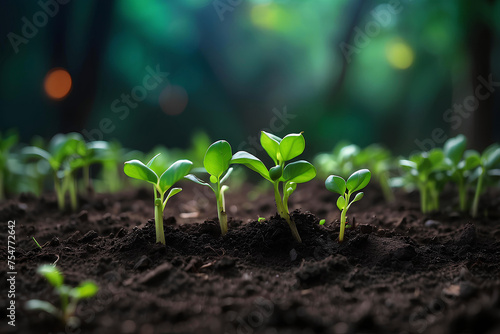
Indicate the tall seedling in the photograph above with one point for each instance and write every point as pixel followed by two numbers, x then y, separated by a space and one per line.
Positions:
pixel 216 163
pixel 281 150
pixel 161 184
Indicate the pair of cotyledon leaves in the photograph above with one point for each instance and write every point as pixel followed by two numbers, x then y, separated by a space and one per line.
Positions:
pixel 357 181
pixel 138 170
pixel 280 150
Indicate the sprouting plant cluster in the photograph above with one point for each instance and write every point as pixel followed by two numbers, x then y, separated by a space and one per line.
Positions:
pixel 469 170
pixel 68 296
pixel 76 167
pixel 217 161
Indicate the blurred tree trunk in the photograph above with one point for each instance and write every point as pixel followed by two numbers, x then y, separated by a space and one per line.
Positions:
pixel 75 109
pixel 479 126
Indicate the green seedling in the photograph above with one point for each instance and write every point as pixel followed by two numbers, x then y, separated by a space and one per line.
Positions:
pixel 261 219
pixel 489 168
pixel 7 141
pixel 357 181
pixel 322 221
pixel 379 161
pixel 62 148
pixel 346 158
pixel 460 164
pixel 69 297
pixel 427 172
pixel 281 150
pixel 87 154
pixel 216 162
pixel 36 242
pixel 161 184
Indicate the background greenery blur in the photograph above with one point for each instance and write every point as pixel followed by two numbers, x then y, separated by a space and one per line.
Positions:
pixel 364 71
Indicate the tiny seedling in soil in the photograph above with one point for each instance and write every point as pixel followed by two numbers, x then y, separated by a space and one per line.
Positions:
pixel 69 297
pixel 216 163
pixel 427 172
pixel 261 219
pixel 322 221
pixel 460 164
pixel 488 169
pixel 281 150
pixel 357 181
pixel 36 242
pixel 161 184
pixel 61 149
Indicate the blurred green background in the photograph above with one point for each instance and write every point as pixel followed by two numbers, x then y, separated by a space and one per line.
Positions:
pixel 407 74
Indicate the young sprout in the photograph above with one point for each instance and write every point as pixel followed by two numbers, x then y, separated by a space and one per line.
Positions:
pixel 489 167
pixel 261 219
pixel 322 221
pixel 357 181
pixel 460 164
pixel 161 184
pixel 426 171
pixel 36 242
pixel 61 148
pixel 69 297
pixel 88 154
pixel 6 143
pixel 281 151
pixel 216 163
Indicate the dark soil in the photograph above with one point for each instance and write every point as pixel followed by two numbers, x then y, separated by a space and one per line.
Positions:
pixel 398 271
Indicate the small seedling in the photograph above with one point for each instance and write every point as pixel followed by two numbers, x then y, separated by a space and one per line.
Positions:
pixel 281 151
pixel 460 164
pixel 357 181
pixel 61 148
pixel 489 167
pixel 36 242
pixel 69 297
pixel 88 154
pixel 216 163
pixel 322 221
pixel 427 172
pixel 161 184
pixel 261 219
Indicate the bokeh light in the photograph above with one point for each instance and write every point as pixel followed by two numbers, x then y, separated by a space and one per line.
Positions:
pixel 173 100
pixel 57 83
pixel 399 54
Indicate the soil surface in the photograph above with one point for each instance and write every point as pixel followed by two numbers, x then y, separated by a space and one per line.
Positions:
pixel 398 271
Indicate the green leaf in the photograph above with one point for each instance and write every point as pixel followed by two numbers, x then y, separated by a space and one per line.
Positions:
pixel 290 188
pixel 174 173
pixel 358 197
pixel 217 158
pixel 38 152
pixel 252 162
pixel 454 148
pixel 472 161
pixel 85 289
pixel 341 202
pixel 152 160
pixel 335 184
pixel 193 178
pixel 213 179
pixel 299 172
pixel 173 191
pixel 407 164
pixel 492 157
pixel 52 274
pixel 271 144
pixel 358 180
pixel 292 146
pixel 137 170
pixel 225 177
pixel 41 305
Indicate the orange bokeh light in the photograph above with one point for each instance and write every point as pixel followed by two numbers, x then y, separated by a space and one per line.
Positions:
pixel 57 83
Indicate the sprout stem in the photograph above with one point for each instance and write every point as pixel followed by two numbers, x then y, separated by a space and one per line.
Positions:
pixel 59 193
pixel 160 234
pixel 221 210
pixel 477 195
pixel 342 225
